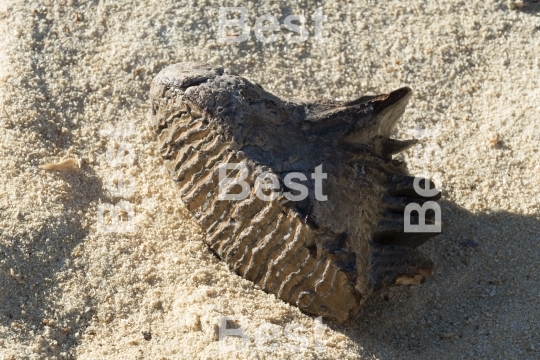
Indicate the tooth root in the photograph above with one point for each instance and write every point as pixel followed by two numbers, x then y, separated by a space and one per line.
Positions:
pixel 387 147
pixel 402 185
pixel 398 203
pixel 390 231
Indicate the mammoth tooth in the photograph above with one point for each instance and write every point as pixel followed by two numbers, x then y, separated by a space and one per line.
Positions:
pixel 324 249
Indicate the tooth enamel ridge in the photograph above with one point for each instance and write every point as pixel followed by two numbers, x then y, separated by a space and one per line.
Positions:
pixel 325 257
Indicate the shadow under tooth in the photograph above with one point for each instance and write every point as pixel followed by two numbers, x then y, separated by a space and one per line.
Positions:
pixel 388 262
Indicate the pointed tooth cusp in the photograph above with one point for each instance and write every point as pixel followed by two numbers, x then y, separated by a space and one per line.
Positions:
pixel 388 147
pixel 403 185
pixel 389 109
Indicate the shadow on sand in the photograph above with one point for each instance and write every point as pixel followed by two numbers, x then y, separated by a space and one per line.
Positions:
pixel 39 257
pixel 485 289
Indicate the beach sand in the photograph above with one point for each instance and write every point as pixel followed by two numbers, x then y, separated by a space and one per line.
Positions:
pixel 74 82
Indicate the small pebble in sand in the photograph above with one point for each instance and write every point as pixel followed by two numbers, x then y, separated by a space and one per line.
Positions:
pixel 147 335
pixel 67 164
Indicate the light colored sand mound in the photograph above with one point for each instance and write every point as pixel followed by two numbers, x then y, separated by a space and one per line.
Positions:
pixel 70 69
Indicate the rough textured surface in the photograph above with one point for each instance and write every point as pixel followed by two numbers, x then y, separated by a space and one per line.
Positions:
pixel 327 252
pixel 70 69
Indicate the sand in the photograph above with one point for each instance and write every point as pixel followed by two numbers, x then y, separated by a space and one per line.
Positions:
pixel 71 69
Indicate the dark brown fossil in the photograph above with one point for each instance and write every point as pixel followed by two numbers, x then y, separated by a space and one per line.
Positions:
pixel 325 257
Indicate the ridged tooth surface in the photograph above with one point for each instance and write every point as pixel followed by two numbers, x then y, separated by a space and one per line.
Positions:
pixel 294 243
pixel 307 280
pixel 177 127
pixel 325 284
pixel 262 223
pixel 266 246
pixel 259 240
pixel 246 211
pixel 293 274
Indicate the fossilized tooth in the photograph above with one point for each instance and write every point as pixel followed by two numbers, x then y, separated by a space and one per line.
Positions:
pixel 325 257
